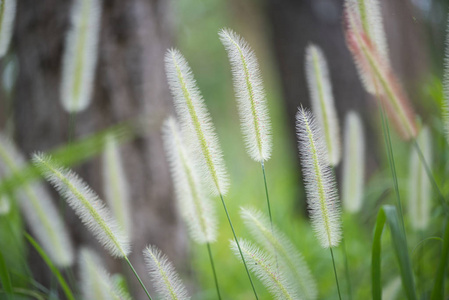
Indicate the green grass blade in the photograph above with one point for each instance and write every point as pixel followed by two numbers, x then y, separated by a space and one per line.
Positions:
pixel 438 288
pixel 4 276
pixel 55 271
pixel 388 214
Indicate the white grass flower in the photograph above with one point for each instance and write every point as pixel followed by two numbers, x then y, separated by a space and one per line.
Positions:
pixel 353 163
pixel 115 184
pixel 163 275
pixel 96 283
pixel 5 205
pixel 377 75
pixel 264 267
pixel 196 122
pixel 250 95
pixel 277 243
pixel 322 99
pixel 194 205
pixel 420 190
pixel 446 86
pixel 86 204
pixel 7 16
pixel 80 55
pixel 38 209
pixel 321 190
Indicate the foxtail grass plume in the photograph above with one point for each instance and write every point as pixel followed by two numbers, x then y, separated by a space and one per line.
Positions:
pixel 163 275
pixel 80 55
pixel 420 190
pixel 264 267
pixel 196 122
pixel 194 205
pixel 377 75
pixel 353 163
pixel 115 184
pixel 7 16
pixel 278 245
pixel 446 86
pixel 5 205
pixel 37 207
pixel 86 204
pixel 321 190
pixel 322 99
pixel 250 95
pixel 96 283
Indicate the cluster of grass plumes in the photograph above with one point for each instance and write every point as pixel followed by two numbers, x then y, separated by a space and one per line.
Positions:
pixel 281 261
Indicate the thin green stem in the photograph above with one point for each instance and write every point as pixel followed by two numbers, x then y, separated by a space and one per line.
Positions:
pixel 348 279
pixel 238 246
pixel 213 270
pixel 335 272
pixel 266 193
pixel 138 278
pixel 431 177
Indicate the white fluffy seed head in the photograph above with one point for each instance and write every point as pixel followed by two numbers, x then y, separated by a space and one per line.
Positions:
pixel 420 191
pixel 163 275
pixel 277 244
pixel 321 190
pixel 446 86
pixel 264 267
pixel 80 55
pixel 115 184
pixel 250 95
pixel 322 99
pixel 96 283
pixel 196 122
pixel 353 163
pixel 86 204
pixel 7 16
pixel 38 209
pixel 193 204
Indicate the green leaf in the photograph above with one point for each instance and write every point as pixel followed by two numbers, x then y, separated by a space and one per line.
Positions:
pixel 62 282
pixel 4 276
pixel 388 214
pixel 438 289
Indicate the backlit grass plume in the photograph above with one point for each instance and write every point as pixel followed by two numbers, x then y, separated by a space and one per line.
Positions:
pixel 7 16
pixel 115 184
pixel 322 196
pixel 277 243
pixel 250 95
pixel 38 209
pixel 264 267
pixel 194 205
pixel 80 55
pixel 420 190
pixel 86 204
pixel 96 283
pixel 322 100
pixel 196 122
pixel 377 75
pixel 163 275
pixel 446 86
pixel 353 163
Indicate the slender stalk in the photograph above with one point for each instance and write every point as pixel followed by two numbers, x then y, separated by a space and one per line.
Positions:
pixel 238 246
pixel 335 272
pixel 138 278
pixel 72 124
pixel 345 255
pixel 266 193
pixel 213 270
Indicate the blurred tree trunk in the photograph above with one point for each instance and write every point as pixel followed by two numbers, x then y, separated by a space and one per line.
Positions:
pixel 298 23
pixel 130 83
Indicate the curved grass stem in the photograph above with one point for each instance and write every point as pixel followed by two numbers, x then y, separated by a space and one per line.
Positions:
pixel 238 246
pixel 138 278
pixel 335 272
pixel 213 270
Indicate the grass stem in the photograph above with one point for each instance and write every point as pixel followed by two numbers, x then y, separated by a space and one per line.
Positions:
pixel 266 193
pixel 213 270
pixel 138 278
pixel 238 246
pixel 335 272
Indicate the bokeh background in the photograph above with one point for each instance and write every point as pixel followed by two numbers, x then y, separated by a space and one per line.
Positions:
pixel 130 86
